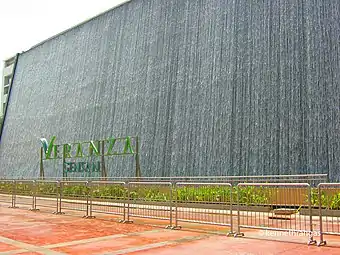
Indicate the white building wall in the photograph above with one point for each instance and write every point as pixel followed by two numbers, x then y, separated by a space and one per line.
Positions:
pixel 6 77
pixel 1 98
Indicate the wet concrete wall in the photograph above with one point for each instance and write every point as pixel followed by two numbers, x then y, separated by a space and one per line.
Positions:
pixel 211 87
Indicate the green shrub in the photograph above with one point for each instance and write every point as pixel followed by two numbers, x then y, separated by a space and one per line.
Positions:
pixel 6 187
pixel 212 194
pixel 252 195
pixel 154 193
pixel 335 202
pixel 108 191
pixel 47 188
pixel 24 188
pixel 75 190
pixel 328 201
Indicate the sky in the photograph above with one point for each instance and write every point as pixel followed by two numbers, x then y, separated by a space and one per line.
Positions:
pixel 24 23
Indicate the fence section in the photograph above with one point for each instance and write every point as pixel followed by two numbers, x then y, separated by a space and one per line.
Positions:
pixel 276 207
pixel 108 197
pixel 7 188
pixel 25 193
pixel 74 195
pixel 204 203
pixel 47 195
pixel 328 201
pixel 150 200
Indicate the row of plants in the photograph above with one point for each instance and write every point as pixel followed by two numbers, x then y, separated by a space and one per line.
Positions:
pixel 6 187
pixel 212 194
pixel 329 200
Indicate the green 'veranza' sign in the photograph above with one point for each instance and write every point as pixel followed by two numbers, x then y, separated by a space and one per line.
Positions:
pixel 112 146
pixel 85 149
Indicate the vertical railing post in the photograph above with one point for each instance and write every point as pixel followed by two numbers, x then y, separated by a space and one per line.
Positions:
pixel 174 188
pixel 176 206
pixel 311 239
pixel 127 211
pixel 59 197
pixel 14 194
pixel 322 242
pixel 238 232
pixel 125 197
pixel 91 199
pixel 170 206
pixel 34 200
pixel 88 201
pixel 231 232
pixel 32 193
pixel 34 196
pixel 128 205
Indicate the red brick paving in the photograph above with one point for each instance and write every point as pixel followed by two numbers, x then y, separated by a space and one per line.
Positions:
pixel 44 229
pixel 218 245
pixel 6 247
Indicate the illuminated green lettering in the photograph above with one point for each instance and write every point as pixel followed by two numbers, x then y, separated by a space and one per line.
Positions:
pixel 79 153
pixel 71 167
pixel 128 146
pixel 96 166
pixel 48 147
pixel 55 151
pixel 86 167
pixel 112 142
pixel 67 151
pixel 66 167
pixel 80 166
pixel 93 148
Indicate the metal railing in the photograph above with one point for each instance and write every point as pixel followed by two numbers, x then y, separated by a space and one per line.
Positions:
pixel 46 195
pixel 289 207
pixel 7 192
pixel 73 196
pixel 204 203
pixel 280 205
pixel 151 200
pixel 108 197
pixel 24 193
pixel 329 209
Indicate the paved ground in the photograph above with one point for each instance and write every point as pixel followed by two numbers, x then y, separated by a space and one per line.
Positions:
pixel 25 232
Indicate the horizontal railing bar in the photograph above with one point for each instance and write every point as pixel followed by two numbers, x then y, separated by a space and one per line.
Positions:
pixel 204 183
pixel 151 183
pixel 329 184
pixel 276 229
pixel 275 184
pixel 81 182
pixel 47 181
pixel 108 182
